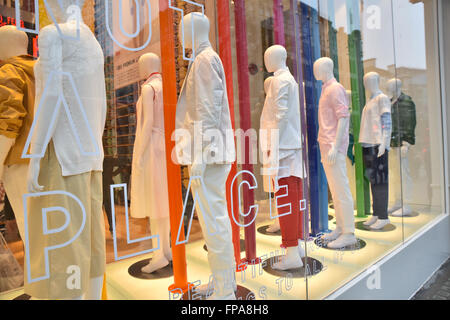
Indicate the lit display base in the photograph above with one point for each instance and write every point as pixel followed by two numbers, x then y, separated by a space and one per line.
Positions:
pixel 360 226
pixel 359 245
pixel 242 293
pixel 310 267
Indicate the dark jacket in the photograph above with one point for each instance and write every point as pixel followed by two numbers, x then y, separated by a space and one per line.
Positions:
pixel 403 121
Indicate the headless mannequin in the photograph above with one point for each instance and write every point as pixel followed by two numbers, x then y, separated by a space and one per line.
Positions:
pixel 275 60
pixel 220 247
pixel 150 64
pixel 13 43
pixel 394 89
pixel 372 85
pixel 334 161
pixel 72 14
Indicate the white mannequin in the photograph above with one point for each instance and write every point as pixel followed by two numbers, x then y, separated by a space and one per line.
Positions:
pixel 205 87
pixel 13 43
pixel 70 14
pixel 394 89
pixel 372 85
pixel 335 164
pixel 150 64
pixel 275 61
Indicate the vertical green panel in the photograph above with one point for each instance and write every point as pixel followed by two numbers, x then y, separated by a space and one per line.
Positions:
pixel 358 102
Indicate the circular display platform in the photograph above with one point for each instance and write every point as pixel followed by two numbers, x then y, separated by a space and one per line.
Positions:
pixel 330 217
pixel 135 271
pixel 314 266
pixel 359 245
pixel 23 297
pixel 241 245
pixel 360 226
pixel 242 293
pixel 411 215
pixel 263 230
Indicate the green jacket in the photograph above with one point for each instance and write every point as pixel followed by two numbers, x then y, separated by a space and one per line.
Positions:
pixel 403 121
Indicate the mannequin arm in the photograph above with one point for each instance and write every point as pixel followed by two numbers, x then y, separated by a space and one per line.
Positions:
pixel 386 131
pixel 341 135
pixel 147 114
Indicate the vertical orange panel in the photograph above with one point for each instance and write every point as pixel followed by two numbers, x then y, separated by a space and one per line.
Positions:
pixel 173 170
pixel 223 11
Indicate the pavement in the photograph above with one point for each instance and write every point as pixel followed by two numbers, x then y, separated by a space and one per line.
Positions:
pixel 438 287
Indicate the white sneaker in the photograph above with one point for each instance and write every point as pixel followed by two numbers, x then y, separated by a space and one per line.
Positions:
pixel 405 211
pixel 275 227
pixel 289 261
pixel 395 207
pixel 344 240
pixel 371 221
pixel 155 264
pixel 380 224
pixel 333 235
pixel 230 296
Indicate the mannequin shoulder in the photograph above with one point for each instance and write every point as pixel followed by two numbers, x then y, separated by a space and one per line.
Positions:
pixel 148 91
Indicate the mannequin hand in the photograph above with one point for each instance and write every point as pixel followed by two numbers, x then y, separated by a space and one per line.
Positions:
pixel 381 150
pixel 33 175
pixel 197 170
pixel 332 155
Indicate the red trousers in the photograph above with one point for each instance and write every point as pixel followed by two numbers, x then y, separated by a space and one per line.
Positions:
pixel 291 225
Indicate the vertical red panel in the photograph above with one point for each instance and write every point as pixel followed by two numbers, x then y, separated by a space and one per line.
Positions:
pixel 245 121
pixel 223 11
pixel 278 23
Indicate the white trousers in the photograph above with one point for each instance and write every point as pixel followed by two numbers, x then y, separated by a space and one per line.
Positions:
pixel 340 191
pixel 400 181
pixel 15 182
pixel 211 205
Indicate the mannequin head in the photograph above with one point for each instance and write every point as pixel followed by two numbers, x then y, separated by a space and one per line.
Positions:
pixel 275 58
pixel 65 10
pixel 394 88
pixel 13 42
pixel 372 82
pixel 323 69
pixel 148 64
pixel 200 23
pixel 267 84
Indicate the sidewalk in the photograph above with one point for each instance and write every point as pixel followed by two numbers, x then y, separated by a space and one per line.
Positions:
pixel 438 287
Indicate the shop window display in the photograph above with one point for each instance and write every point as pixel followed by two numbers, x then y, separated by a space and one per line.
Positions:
pixel 214 149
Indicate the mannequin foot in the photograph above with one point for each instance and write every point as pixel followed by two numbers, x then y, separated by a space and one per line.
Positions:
pixel 405 211
pixel 275 227
pixel 371 221
pixel 394 208
pixel 342 241
pixel 155 264
pixel 380 224
pixel 333 235
pixel 291 260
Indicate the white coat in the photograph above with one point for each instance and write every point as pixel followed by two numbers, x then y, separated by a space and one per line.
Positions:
pixel 203 100
pixel 149 191
pixel 281 112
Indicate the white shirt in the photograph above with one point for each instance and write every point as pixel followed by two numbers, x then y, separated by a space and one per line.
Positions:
pixel 371 128
pixel 203 100
pixel 83 60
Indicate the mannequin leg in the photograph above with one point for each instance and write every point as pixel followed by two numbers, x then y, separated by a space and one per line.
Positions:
pixel 211 206
pixel 343 202
pixel 380 190
pixel 16 186
pixel 291 227
pixel 406 188
pixel 394 180
pixel 159 260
